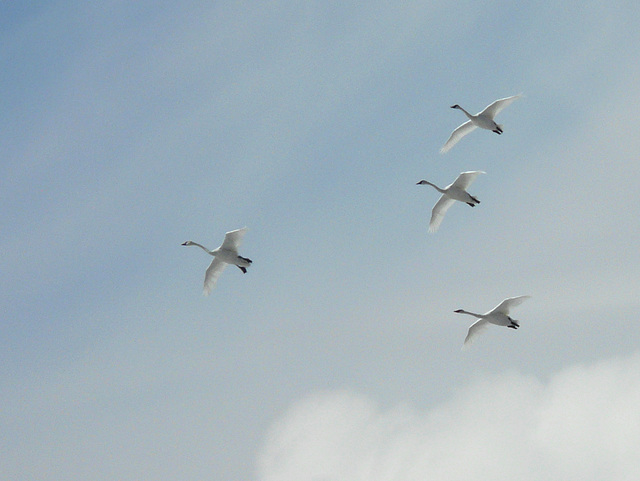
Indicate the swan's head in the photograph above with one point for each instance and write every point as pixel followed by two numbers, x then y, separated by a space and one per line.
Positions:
pixel 459 311
pixel 422 182
pixel 188 243
pixel 456 106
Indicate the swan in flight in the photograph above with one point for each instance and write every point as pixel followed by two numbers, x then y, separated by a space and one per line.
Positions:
pixel 451 193
pixel 227 253
pixel 483 119
pixel 499 316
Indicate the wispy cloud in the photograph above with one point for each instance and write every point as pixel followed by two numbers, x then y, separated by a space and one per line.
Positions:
pixel 583 423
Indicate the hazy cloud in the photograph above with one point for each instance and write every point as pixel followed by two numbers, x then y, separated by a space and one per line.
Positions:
pixel 583 423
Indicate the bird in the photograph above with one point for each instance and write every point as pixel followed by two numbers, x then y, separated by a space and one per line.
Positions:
pixel 499 316
pixel 483 119
pixel 451 193
pixel 227 253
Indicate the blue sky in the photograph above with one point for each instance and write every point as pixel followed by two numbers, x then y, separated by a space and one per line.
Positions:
pixel 127 130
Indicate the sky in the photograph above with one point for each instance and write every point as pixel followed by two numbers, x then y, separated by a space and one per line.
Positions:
pixel 127 129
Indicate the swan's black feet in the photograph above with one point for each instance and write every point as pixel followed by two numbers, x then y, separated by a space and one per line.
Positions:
pixel 499 132
pixel 513 326
pixel 475 200
pixel 245 259
pixel 243 269
pixel 471 204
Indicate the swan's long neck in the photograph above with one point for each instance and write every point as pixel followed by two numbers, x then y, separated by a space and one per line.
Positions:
pixel 462 311
pixel 471 117
pixel 201 247
pixel 434 186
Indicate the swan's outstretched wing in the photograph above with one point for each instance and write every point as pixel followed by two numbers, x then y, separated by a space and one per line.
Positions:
pixel 494 109
pixel 474 330
pixel 509 303
pixel 233 239
pixel 456 135
pixel 213 272
pixel 438 212
pixel 465 179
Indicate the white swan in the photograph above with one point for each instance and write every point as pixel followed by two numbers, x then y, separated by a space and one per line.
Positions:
pixel 451 193
pixel 499 316
pixel 227 253
pixel 483 119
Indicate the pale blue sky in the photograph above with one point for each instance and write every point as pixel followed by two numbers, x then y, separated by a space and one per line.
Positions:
pixel 129 129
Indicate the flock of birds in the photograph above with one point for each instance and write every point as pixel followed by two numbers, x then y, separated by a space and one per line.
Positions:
pixel 227 253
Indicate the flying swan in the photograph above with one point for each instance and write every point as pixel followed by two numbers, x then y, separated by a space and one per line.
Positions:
pixel 499 316
pixel 227 253
pixel 451 193
pixel 483 119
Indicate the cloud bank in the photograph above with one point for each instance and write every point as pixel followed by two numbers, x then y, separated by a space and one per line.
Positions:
pixel 583 424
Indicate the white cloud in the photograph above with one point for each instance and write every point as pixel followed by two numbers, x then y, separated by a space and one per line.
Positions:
pixel 583 423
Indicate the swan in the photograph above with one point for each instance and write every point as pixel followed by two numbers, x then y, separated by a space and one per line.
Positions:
pixel 483 119
pixel 227 253
pixel 451 193
pixel 499 316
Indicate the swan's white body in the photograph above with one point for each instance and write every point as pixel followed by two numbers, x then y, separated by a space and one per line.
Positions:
pixel 483 119
pixel 454 191
pixel 499 316
pixel 226 254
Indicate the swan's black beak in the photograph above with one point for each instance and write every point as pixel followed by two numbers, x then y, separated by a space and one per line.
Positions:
pixel 184 243
pixel 454 106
